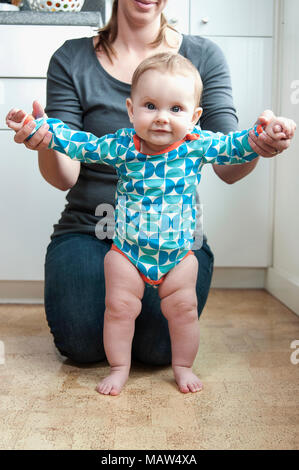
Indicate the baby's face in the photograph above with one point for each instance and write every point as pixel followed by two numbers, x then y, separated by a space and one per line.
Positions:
pixel 162 109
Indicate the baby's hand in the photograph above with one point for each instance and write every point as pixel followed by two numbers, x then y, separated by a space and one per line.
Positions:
pixel 17 118
pixel 267 146
pixel 23 125
pixel 280 128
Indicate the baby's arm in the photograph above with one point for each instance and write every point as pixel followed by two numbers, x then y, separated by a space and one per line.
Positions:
pixel 231 149
pixel 235 148
pixel 78 145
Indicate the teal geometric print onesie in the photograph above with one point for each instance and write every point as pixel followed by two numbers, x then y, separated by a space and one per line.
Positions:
pixel 155 214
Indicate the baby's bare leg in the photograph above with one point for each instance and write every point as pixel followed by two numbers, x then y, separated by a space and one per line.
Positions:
pixel 124 291
pixel 179 306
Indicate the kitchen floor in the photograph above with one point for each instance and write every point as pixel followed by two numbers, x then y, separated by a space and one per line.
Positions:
pixel 250 398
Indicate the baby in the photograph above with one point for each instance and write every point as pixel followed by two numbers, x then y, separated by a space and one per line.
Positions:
pixel 159 165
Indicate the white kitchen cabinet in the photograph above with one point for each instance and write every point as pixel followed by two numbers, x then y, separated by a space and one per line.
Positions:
pixel 238 218
pixel 28 205
pixel 177 14
pixel 20 92
pixel 25 50
pixel 231 17
pixel 250 64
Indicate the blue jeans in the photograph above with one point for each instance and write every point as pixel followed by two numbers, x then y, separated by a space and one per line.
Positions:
pixel 75 302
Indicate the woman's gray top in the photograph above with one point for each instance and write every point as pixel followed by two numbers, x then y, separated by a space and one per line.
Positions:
pixel 83 95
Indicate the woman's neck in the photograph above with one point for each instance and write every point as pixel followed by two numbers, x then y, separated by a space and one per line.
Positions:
pixel 134 37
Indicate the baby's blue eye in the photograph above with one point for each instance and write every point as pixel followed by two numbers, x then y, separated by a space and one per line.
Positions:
pixel 176 109
pixel 150 106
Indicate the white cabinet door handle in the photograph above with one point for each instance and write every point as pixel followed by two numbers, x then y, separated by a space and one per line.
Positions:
pixel 205 19
pixel 173 21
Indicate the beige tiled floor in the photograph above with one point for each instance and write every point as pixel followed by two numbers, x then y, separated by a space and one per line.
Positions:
pixel 249 401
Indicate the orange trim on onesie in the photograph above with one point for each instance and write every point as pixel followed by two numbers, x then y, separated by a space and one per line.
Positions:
pixel 146 279
pixel 192 137
pixel 175 145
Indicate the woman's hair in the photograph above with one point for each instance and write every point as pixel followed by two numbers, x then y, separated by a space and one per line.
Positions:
pixel 108 34
pixel 172 63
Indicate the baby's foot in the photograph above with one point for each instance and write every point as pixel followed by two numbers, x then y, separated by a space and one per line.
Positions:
pixel 187 381
pixel 115 381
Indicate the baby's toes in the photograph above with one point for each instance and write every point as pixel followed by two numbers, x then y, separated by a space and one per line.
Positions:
pixel 103 388
pixel 195 386
pixel 100 388
pixel 198 386
pixel 183 388
pixel 192 387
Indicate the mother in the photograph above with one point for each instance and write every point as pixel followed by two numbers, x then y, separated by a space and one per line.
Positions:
pixel 88 83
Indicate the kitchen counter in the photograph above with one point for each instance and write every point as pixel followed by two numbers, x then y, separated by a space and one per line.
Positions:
pixel 92 14
pixel 81 18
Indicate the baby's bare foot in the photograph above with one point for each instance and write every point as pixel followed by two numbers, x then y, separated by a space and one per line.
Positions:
pixel 115 381
pixel 187 381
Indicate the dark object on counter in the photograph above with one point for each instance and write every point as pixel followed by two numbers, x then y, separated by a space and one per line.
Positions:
pixel 25 6
pixel 95 5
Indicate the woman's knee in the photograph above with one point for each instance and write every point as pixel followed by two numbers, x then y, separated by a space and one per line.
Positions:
pixel 81 342
pixel 82 355
pixel 75 296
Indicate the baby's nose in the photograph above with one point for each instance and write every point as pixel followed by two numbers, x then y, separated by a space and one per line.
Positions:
pixel 162 116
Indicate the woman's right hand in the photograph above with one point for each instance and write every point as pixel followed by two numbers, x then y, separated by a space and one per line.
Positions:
pixel 41 139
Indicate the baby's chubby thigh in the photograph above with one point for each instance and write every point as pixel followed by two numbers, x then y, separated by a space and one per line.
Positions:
pixel 178 291
pixel 124 287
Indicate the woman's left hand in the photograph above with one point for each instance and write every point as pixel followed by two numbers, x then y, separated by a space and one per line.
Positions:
pixel 265 145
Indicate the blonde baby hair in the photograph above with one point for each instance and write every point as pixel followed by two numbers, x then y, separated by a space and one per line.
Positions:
pixel 173 63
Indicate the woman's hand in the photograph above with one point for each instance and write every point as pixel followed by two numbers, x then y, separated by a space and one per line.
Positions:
pixel 266 145
pixel 15 120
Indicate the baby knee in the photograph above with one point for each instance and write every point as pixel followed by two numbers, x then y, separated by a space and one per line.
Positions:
pixel 123 307
pixel 180 307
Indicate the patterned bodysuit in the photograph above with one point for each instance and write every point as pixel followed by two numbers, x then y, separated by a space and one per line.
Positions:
pixel 155 213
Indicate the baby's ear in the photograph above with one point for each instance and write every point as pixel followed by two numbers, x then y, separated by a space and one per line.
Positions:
pixel 196 115
pixel 129 104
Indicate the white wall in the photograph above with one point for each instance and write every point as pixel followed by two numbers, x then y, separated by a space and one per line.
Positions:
pixel 283 277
